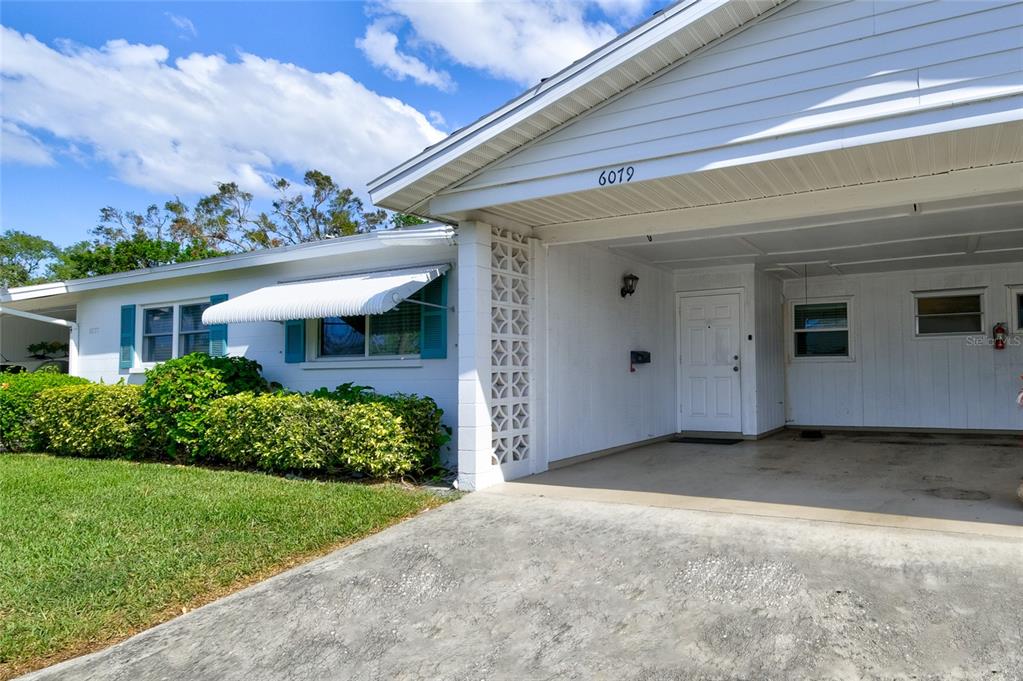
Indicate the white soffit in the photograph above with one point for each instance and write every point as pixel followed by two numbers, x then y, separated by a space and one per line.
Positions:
pixel 357 294
pixel 915 157
pixel 946 233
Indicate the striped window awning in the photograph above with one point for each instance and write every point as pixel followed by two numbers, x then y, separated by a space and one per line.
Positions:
pixel 356 294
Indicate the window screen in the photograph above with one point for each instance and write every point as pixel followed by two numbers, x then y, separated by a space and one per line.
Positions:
pixel 821 329
pixel 392 333
pixel 948 314
pixel 193 335
pixel 157 334
pixel 395 332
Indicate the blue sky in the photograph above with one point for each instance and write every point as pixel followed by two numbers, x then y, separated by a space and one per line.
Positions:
pixel 128 104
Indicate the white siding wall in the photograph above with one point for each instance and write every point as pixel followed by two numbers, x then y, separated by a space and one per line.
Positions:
pixel 814 66
pixel 594 402
pixel 898 380
pixel 769 339
pixel 99 322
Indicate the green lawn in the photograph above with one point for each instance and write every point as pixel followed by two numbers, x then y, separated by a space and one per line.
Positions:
pixel 94 550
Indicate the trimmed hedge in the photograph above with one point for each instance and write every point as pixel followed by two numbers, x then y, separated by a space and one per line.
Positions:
pixel 216 409
pixel 178 393
pixel 283 433
pixel 17 406
pixel 424 432
pixel 271 432
pixel 92 420
pixel 373 442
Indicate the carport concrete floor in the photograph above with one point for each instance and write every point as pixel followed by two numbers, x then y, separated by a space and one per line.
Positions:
pixel 497 587
pixel 962 483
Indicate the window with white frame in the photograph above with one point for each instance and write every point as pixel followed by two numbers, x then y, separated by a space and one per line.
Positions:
pixel 948 313
pixel 1016 308
pixel 820 329
pixel 173 330
pixel 392 334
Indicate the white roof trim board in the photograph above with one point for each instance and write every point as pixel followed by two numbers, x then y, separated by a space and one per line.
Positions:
pixel 356 294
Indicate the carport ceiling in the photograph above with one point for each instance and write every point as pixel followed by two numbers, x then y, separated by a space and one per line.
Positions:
pixel 937 234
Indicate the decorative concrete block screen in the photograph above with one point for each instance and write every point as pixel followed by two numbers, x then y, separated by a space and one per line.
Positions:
pixel 510 333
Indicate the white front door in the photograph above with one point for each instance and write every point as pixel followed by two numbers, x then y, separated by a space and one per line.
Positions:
pixel 710 337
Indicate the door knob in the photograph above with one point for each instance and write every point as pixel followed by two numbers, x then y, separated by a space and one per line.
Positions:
pixel 735 368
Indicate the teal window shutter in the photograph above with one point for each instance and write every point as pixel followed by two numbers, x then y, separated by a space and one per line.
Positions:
pixel 433 321
pixel 218 332
pixel 127 356
pixel 294 341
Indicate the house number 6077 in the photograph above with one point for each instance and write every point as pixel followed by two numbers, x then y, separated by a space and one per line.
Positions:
pixel 616 175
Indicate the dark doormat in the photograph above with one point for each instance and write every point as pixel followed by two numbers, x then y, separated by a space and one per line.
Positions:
pixel 704 440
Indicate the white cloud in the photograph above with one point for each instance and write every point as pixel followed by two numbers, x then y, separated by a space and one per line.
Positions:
pixel 21 146
pixel 626 11
pixel 182 126
pixel 521 41
pixel 184 24
pixel 381 48
pixel 437 118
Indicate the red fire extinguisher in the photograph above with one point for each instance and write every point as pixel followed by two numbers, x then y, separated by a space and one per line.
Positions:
pixel 999 333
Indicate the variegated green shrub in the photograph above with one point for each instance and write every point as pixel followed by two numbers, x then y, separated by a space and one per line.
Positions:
pixel 271 432
pixel 17 406
pixel 421 421
pixel 91 420
pixel 177 393
pixel 281 433
pixel 373 441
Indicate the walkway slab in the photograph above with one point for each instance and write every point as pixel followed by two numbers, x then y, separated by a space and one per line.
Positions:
pixel 495 587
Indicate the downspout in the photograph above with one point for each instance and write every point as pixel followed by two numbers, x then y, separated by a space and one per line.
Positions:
pixel 72 350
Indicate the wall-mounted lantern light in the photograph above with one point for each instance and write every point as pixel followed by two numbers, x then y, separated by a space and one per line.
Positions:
pixel 629 282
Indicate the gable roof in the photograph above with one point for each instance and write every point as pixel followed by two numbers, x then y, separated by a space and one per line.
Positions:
pixel 658 43
pixel 422 235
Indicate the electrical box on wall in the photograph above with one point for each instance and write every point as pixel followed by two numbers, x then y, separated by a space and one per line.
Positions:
pixel 639 357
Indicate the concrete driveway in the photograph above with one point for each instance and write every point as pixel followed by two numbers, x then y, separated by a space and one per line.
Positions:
pixel 497 587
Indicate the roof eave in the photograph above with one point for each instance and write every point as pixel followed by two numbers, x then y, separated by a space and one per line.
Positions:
pixel 410 236
pixel 384 189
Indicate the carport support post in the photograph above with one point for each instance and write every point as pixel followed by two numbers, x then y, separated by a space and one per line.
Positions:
pixel 475 467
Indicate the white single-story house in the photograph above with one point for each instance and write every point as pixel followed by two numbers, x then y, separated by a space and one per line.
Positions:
pixel 739 216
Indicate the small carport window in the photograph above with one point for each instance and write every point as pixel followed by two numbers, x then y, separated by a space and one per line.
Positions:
pixel 947 313
pixel 821 329
pixel 1016 308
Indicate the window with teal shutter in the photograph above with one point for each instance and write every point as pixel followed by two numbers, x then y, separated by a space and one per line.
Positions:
pixel 127 355
pixel 218 332
pixel 433 329
pixel 294 341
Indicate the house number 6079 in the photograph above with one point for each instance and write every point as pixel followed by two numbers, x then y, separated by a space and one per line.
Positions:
pixel 616 175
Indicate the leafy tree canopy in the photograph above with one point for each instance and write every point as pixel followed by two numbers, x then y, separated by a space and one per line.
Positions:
pixel 23 258
pixel 218 224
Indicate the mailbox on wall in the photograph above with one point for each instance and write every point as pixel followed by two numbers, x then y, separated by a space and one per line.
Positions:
pixel 638 357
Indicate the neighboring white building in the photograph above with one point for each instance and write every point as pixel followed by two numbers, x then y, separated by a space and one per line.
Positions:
pixel 126 323
pixel 822 202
